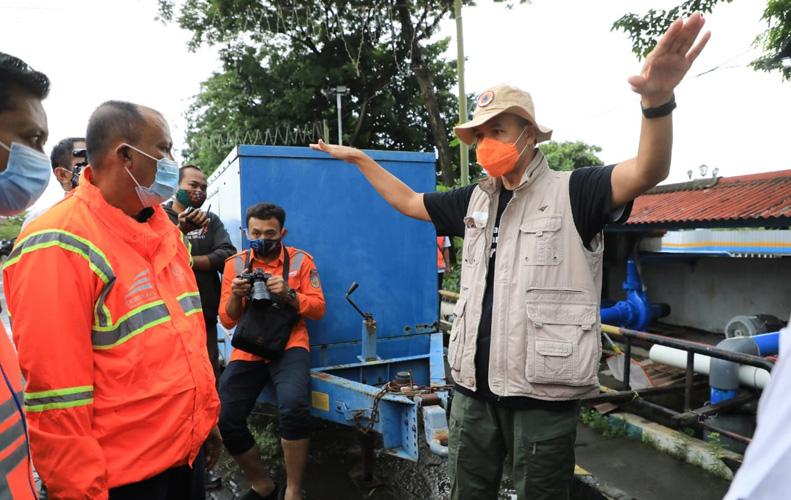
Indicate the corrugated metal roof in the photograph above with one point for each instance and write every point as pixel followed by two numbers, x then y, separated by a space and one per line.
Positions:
pixel 749 198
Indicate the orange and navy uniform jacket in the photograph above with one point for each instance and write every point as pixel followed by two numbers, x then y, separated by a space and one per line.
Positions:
pixel 107 320
pixel 303 277
pixel 16 473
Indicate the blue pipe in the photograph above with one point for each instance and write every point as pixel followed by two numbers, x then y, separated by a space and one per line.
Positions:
pixel 720 395
pixel 635 312
pixel 768 343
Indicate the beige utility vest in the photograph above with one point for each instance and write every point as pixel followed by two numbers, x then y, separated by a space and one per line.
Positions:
pixel 545 336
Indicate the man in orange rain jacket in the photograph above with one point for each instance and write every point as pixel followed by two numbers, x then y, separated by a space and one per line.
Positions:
pixel 107 320
pixel 247 374
pixel 24 175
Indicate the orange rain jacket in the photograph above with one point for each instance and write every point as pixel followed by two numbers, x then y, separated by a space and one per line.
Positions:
pixel 302 277
pixel 16 478
pixel 107 320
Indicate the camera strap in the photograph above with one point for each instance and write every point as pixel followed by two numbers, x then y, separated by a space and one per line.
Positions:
pixel 248 262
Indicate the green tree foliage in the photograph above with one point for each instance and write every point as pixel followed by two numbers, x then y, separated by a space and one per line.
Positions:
pixel 279 57
pixel 10 226
pixel 644 30
pixel 564 156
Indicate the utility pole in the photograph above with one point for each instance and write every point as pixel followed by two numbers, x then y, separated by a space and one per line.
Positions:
pixel 464 158
pixel 340 90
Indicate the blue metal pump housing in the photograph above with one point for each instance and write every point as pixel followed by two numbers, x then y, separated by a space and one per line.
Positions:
pixel 635 312
pixel 354 236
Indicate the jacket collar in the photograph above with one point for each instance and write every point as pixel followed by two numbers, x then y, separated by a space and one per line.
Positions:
pixel 146 236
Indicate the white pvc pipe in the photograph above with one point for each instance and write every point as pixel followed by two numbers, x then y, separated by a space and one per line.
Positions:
pixel 748 375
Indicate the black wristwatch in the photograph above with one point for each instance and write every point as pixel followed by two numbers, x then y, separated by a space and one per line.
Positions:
pixel 292 293
pixel 660 111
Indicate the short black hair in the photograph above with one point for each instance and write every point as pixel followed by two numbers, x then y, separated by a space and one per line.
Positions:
pixel 185 167
pixel 63 152
pixel 266 211
pixel 112 120
pixel 16 75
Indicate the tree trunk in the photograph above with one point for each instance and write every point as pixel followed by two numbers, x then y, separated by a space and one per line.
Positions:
pixel 361 117
pixel 425 80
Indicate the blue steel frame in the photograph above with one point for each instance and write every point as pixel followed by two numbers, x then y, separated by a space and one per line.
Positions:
pixel 353 235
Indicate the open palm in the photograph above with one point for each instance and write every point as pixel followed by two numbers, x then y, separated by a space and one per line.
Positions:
pixel 344 153
pixel 670 60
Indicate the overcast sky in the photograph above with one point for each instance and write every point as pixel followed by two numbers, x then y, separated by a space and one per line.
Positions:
pixel 562 51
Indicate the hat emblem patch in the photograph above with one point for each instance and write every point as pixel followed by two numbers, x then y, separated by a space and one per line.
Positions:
pixel 485 98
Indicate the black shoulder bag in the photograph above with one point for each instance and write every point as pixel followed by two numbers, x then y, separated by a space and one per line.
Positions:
pixel 265 326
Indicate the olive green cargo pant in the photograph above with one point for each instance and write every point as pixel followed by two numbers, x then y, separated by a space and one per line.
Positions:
pixel 540 442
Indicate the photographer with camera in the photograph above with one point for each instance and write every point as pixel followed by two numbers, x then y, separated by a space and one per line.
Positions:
pixel 68 157
pixel 267 292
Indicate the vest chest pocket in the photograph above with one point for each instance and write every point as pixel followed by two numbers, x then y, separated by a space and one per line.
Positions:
pixel 563 345
pixel 474 242
pixel 540 241
pixel 457 334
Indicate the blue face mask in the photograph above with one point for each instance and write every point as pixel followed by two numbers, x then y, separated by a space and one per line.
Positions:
pixel 264 247
pixel 25 178
pixel 166 181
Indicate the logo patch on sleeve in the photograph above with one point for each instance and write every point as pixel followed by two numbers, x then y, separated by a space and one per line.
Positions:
pixel 314 279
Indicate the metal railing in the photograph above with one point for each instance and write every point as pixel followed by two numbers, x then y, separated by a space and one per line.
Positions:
pixel 695 417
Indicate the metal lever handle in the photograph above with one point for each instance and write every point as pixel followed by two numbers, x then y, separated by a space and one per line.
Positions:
pixel 348 298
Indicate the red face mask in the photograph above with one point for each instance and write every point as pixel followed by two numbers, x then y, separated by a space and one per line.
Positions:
pixel 498 158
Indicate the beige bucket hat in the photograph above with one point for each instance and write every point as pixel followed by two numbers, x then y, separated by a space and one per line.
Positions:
pixel 501 99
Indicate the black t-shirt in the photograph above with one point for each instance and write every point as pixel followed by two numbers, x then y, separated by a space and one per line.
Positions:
pixel 212 241
pixel 590 194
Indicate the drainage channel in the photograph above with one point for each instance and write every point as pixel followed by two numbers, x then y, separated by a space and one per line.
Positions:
pixel 639 471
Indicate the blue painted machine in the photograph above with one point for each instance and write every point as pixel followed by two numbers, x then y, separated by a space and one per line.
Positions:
pixel 355 237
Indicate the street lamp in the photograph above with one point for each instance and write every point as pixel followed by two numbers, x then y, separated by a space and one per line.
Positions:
pixel 339 91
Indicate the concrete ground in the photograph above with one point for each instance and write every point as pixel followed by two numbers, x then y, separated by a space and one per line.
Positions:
pixel 643 472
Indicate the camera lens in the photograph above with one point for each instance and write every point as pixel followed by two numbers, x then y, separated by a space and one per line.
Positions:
pixel 260 292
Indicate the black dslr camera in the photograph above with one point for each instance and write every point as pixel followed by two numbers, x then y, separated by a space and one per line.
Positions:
pixel 75 171
pixel 258 279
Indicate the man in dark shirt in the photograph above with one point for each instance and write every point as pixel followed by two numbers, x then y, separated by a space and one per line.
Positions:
pixel 590 193
pixel 211 245
pixel 538 432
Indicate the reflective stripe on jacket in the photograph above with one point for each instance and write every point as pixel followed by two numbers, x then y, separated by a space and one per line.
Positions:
pixel 106 319
pixel 16 478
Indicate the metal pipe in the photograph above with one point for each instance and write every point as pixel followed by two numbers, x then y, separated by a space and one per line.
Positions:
pixel 340 124
pixel 613 396
pixel 464 161
pixel 690 373
pixel 685 345
pixel 627 359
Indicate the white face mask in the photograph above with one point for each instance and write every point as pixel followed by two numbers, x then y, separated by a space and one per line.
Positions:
pixel 25 178
pixel 166 181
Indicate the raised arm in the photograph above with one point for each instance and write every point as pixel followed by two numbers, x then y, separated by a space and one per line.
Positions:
pixel 663 70
pixel 395 192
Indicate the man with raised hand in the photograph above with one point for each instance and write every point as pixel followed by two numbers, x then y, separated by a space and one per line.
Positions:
pixel 525 343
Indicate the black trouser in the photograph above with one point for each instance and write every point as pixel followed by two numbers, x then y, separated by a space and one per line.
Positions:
pixel 177 483
pixel 242 382
pixel 211 346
